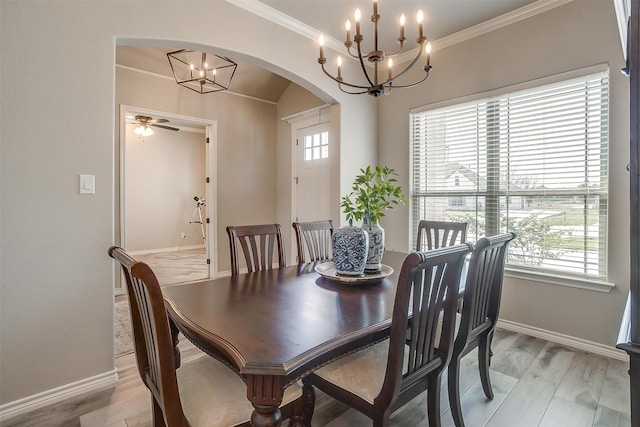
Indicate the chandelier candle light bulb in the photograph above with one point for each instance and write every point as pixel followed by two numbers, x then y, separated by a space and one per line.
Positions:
pixel 375 57
pixel 427 50
pixel 321 44
pixel 347 26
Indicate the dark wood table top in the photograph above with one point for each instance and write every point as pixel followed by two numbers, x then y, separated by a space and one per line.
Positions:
pixel 283 322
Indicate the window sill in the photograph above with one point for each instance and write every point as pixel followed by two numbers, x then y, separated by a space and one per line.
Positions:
pixel 591 285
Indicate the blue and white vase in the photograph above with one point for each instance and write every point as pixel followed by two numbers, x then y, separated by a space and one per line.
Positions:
pixel 376 246
pixel 350 246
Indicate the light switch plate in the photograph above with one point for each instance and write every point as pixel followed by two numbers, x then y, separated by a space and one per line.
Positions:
pixel 87 184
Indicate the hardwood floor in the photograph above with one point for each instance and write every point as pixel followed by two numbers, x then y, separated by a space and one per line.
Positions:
pixel 536 383
pixel 186 265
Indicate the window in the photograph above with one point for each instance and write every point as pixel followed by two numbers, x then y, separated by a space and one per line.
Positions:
pixel 316 146
pixel 530 161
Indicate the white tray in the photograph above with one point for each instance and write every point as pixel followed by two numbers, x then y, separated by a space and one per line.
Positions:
pixel 328 271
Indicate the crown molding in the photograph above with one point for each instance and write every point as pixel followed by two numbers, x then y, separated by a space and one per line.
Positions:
pixel 267 12
pixel 493 24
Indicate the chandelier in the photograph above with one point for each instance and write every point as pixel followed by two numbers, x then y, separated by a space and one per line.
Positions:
pixel 375 86
pixel 200 71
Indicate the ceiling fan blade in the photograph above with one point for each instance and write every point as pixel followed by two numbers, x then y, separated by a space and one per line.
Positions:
pixel 163 126
pixel 157 121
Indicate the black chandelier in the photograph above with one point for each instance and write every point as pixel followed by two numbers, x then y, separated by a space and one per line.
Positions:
pixel 200 71
pixel 374 86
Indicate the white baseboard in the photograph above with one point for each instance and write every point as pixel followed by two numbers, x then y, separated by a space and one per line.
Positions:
pixel 162 250
pixel 569 341
pixel 58 394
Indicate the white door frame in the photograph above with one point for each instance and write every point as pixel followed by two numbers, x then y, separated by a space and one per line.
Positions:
pixel 211 171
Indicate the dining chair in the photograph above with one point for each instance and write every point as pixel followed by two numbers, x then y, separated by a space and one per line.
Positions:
pixel 314 239
pixel 480 309
pixel 203 392
pixel 258 243
pixel 438 234
pixel 383 377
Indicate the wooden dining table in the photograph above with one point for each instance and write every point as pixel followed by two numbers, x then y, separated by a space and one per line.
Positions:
pixel 276 326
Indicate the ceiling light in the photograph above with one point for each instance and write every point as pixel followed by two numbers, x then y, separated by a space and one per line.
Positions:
pixel 200 71
pixel 143 131
pixel 373 86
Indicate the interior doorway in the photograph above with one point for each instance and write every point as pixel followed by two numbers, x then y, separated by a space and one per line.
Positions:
pixel 168 194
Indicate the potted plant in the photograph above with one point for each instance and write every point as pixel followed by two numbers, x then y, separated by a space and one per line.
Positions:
pixel 374 191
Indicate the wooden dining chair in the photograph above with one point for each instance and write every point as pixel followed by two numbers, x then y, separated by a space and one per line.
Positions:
pixel 438 234
pixel 480 309
pixel 203 392
pixel 258 243
pixel 314 239
pixel 381 378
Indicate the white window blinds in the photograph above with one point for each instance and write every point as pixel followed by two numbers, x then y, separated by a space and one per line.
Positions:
pixel 532 161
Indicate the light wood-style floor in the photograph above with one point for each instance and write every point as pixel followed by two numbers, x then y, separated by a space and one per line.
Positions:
pixel 535 382
pixel 186 265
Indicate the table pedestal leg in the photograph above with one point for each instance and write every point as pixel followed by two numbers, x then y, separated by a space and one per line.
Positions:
pixel 265 416
pixel 265 394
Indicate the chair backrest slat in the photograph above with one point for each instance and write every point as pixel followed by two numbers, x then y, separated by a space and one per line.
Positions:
pixel 313 238
pixel 439 234
pixel 258 243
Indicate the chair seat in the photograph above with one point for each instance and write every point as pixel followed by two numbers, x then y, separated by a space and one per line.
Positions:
pixel 361 373
pixel 213 395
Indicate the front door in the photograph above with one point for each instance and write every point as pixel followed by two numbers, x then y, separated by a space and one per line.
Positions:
pixel 313 173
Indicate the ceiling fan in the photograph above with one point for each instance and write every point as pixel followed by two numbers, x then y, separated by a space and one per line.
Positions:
pixel 144 123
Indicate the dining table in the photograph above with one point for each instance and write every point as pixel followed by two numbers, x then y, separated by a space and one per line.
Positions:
pixel 276 326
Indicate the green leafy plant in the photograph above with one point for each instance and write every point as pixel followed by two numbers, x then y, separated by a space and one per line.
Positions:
pixel 374 191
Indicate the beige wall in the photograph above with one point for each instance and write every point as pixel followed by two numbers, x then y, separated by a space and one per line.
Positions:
pixel 163 172
pixel 577 35
pixel 56 290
